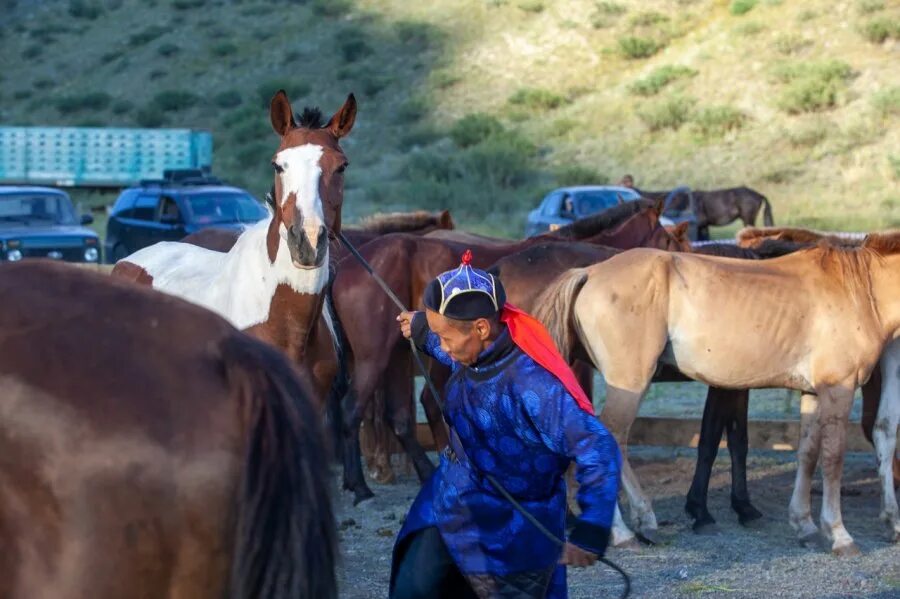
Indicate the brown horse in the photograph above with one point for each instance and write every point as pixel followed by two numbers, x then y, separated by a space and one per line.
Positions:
pixel 721 206
pixel 377 351
pixel 149 449
pixel 828 313
pixel 271 281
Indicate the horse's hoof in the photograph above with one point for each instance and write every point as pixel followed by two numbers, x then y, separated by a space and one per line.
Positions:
pixel 811 541
pixel 757 523
pixel 894 536
pixel 706 529
pixel 648 535
pixel 746 513
pixel 382 476
pixel 848 550
pixel 360 496
pixel 629 544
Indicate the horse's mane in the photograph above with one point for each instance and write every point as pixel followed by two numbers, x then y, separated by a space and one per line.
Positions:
pixel 597 223
pixel 311 118
pixel 750 236
pixel 400 222
pixel 727 250
pixel 886 243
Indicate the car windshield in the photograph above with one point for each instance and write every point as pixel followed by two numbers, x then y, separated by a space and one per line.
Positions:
pixel 590 202
pixel 223 207
pixel 36 208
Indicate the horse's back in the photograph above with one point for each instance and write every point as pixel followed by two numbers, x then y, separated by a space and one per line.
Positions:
pixel 119 429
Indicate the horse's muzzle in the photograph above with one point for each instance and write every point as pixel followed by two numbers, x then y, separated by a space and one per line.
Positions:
pixel 303 254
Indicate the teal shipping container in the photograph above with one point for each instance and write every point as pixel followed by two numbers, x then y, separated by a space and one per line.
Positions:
pixel 98 156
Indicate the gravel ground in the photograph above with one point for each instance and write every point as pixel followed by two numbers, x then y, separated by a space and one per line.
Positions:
pixel 765 562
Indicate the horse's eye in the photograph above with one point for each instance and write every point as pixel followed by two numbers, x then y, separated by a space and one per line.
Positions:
pixel 277 167
pixel 343 167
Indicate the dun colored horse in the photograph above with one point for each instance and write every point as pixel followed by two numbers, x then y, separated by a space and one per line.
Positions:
pixel 271 281
pixel 816 320
pixel 149 449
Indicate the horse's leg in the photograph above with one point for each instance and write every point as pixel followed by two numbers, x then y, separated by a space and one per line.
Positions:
pixel 618 415
pixel 402 413
pixel 380 438
pixel 885 438
pixel 439 375
pixel 365 378
pixel 738 445
pixel 834 410
pixel 716 412
pixel 807 459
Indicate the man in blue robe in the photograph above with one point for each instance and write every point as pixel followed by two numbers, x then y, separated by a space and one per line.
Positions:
pixel 516 412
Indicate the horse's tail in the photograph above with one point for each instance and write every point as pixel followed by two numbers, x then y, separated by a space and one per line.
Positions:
pixel 555 305
pixel 285 539
pixel 767 212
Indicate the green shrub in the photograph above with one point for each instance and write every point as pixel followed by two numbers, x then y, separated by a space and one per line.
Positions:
pixel 187 4
pixel 790 43
pixel 32 52
pixel 887 101
pixel 750 28
pixel 576 174
pixel 611 8
pixel 121 107
pixel 881 29
pixel 168 50
pixel 146 36
pixel 646 19
pixel 174 100
pixel 223 49
pixel 532 6
pixel 474 128
pixel 536 99
pixel 812 86
pixel 670 113
pixel 150 116
pixel 716 121
pixel 639 47
pixel 660 78
pixel 228 99
pixel 866 7
pixel 266 90
pixel 741 7
pixel 331 8
pixel 85 9
pixel 87 101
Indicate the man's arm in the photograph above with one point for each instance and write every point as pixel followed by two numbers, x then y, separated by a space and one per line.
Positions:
pixel 414 325
pixel 568 430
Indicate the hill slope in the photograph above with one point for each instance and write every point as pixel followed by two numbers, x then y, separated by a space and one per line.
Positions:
pixel 482 105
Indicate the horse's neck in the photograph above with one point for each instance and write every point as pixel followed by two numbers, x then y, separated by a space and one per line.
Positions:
pixel 885 284
pixel 255 283
pixel 628 235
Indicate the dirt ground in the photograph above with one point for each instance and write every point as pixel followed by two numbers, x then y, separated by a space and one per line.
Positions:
pixel 765 562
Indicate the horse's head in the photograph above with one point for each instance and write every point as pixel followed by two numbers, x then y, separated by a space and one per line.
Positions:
pixel 309 180
pixel 660 237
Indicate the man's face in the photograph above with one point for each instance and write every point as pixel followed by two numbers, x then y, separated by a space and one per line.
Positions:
pixel 461 340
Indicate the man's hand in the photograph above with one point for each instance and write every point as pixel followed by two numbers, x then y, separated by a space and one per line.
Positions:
pixel 574 555
pixel 405 320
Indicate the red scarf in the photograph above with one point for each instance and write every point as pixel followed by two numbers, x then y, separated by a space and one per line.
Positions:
pixel 529 334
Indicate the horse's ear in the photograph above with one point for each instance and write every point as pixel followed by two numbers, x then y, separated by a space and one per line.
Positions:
pixel 342 121
pixel 281 114
pixel 446 220
pixel 680 231
pixel 658 205
pixel 619 198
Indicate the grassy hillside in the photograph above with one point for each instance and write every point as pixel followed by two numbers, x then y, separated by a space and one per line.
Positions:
pixel 483 105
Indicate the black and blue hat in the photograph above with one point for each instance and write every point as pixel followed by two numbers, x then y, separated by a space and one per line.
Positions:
pixel 465 293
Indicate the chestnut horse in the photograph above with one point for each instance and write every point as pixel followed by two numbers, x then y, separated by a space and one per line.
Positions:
pixel 379 356
pixel 271 282
pixel 817 322
pixel 149 449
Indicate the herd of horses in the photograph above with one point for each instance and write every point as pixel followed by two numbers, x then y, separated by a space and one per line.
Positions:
pixel 152 446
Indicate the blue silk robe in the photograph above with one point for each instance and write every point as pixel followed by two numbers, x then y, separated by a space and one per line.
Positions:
pixel 516 421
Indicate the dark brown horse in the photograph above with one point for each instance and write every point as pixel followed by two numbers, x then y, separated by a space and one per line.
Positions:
pixel 377 351
pixel 720 207
pixel 271 282
pixel 149 449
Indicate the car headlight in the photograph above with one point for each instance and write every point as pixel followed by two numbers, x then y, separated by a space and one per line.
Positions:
pixel 91 255
pixel 14 255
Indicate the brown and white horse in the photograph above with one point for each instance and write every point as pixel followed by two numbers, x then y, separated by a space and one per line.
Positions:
pixel 149 449
pixel 816 320
pixel 271 282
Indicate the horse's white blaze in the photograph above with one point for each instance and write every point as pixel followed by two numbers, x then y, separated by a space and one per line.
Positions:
pixel 300 175
pixel 238 285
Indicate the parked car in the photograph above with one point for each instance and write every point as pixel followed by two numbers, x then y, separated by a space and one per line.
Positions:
pixel 170 209
pixel 40 222
pixel 564 205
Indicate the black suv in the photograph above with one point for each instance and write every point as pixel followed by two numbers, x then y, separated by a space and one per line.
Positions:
pixel 40 222
pixel 182 203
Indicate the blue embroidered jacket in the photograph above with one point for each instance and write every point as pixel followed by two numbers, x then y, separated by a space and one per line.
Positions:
pixel 516 421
